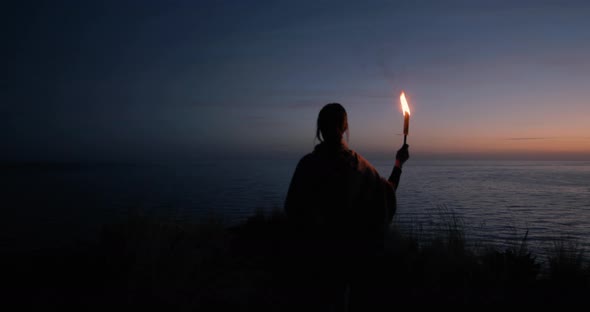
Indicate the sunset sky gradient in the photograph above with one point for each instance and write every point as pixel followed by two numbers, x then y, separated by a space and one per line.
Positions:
pixel 158 79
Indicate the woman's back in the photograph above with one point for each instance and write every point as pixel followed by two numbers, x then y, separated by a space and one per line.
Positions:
pixel 337 194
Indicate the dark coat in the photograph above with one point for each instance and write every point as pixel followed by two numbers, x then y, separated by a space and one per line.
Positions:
pixel 337 198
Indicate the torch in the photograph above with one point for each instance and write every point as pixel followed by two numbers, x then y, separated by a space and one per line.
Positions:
pixel 406 111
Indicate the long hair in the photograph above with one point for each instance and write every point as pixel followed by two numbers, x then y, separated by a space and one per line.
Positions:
pixel 332 123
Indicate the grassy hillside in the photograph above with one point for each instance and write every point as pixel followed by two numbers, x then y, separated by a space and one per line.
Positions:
pixel 194 266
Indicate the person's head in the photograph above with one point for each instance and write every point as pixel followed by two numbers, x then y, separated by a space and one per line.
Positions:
pixel 332 123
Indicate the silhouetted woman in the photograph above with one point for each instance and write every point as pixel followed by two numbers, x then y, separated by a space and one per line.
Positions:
pixel 339 207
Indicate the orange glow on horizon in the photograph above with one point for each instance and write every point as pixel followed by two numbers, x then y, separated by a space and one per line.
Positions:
pixel 502 145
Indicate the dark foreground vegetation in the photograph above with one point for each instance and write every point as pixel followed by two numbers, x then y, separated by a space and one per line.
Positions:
pixel 171 266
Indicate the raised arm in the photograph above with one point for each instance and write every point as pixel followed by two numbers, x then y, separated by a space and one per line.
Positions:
pixel 391 201
pixel 401 157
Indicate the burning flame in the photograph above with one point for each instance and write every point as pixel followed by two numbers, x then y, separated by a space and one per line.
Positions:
pixel 405 107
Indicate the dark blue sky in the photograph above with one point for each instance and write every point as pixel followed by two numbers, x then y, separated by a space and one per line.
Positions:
pixel 183 79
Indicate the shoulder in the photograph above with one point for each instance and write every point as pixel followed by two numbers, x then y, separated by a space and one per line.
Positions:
pixel 367 170
pixel 362 164
pixel 307 159
pixel 306 162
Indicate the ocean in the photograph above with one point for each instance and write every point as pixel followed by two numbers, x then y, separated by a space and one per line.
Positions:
pixel 497 202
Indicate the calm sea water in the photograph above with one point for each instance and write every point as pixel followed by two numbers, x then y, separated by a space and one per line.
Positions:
pixel 497 201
